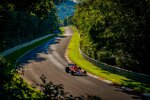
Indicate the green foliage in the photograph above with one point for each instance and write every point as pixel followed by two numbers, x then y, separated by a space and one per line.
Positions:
pixel 23 21
pixel 106 56
pixel 39 7
pixel 73 49
pixel 68 21
pixel 119 27
pixel 5 71
pixel 58 1
pixel 51 91
pixel 12 86
pixel 62 30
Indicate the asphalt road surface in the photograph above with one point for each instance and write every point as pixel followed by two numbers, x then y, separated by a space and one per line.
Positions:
pixel 48 59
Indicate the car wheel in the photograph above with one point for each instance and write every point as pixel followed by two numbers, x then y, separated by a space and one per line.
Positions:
pixel 72 72
pixel 67 69
pixel 84 73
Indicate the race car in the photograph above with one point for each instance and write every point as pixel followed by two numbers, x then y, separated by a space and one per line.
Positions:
pixel 75 70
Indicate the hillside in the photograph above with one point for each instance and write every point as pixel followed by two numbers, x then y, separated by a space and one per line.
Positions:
pixel 66 9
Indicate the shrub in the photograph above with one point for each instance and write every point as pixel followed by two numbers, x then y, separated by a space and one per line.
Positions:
pixel 106 56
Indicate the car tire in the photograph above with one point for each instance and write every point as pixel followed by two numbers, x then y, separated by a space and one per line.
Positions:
pixel 67 69
pixel 85 73
pixel 72 72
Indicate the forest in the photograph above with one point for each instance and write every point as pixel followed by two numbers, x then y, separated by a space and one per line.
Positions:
pixel 24 20
pixel 115 32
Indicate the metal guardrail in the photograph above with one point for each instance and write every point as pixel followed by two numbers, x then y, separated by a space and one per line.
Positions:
pixel 6 52
pixel 116 70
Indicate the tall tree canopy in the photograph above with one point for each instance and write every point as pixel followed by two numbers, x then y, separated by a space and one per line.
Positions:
pixel 25 20
pixel 116 32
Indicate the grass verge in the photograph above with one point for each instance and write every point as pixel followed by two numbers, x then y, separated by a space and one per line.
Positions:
pixel 15 55
pixel 75 56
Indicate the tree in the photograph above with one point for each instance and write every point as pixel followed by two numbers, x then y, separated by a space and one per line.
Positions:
pixel 115 32
pixel 26 20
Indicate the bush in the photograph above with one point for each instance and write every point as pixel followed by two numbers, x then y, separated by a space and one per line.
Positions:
pixel 126 61
pixel 12 86
pixel 106 56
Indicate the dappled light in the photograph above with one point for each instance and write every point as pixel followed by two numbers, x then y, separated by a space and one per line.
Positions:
pixel 74 49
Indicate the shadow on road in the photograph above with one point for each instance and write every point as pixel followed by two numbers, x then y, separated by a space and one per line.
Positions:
pixel 57 92
pixel 34 55
pixel 135 95
pixel 87 97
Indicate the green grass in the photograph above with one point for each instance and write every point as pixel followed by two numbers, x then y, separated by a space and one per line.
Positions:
pixel 75 56
pixel 15 55
pixel 62 29
pixel 29 91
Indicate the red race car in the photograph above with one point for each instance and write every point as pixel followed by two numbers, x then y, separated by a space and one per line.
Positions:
pixel 75 70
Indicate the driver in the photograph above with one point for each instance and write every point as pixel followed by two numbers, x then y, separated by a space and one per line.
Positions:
pixel 75 67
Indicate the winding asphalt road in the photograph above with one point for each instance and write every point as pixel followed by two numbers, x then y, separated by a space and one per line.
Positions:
pixel 48 59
